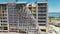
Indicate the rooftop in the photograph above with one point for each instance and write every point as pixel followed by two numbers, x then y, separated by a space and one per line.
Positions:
pixel 18 2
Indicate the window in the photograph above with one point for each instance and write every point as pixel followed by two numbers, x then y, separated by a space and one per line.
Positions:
pixel 41 14
pixel 30 8
pixel 4 24
pixel 41 18
pixel 42 4
pixel 4 11
pixel 42 9
pixel 5 28
pixel 4 18
pixel 44 30
pixel 4 14
pixel 42 21
pixel 3 21
pixel 3 6
pixel 30 5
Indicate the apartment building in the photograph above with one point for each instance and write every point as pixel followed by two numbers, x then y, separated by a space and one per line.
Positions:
pixel 3 18
pixel 10 18
pixel 42 14
pixel 15 18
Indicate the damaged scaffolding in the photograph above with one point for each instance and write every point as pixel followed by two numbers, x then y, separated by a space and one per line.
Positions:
pixel 25 21
pixel 20 18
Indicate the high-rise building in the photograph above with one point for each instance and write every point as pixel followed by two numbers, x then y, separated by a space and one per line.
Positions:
pixel 11 19
pixel 42 14
pixel 16 17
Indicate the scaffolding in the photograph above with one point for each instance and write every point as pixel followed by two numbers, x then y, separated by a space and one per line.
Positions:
pixel 25 21
pixel 24 18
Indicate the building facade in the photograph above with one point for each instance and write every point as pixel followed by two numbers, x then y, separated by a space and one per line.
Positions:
pixel 42 14
pixel 16 17
pixel 10 16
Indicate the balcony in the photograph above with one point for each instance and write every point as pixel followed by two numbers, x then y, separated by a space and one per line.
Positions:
pixel 42 19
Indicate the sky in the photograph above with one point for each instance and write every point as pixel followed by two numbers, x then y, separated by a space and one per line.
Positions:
pixel 53 5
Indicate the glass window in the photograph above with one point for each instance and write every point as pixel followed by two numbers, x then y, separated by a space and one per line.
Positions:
pixel 42 8
pixel 30 8
pixel 41 18
pixel 3 21
pixel 5 28
pixel 42 21
pixel 4 17
pixel 41 14
pixel 44 30
pixel 4 11
pixel 4 14
pixel 3 7
pixel 4 25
